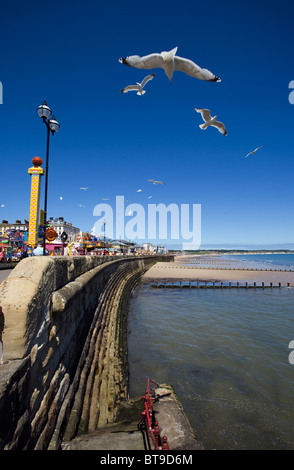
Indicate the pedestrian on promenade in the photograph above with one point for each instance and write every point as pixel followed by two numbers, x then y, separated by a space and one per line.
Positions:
pixel 38 251
pixel 1 333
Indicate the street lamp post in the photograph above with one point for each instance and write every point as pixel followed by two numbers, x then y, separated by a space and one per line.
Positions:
pixel 104 222
pixel 53 126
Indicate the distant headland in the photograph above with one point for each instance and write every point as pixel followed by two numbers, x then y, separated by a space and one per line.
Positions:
pixel 225 251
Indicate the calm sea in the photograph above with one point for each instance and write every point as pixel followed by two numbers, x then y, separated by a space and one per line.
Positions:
pixel 226 353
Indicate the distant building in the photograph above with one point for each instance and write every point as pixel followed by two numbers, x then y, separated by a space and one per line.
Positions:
pixel 61 226
pixel 160 249
pixel 154 249
pixel 5 226
pixel 148 247
pixel 123 246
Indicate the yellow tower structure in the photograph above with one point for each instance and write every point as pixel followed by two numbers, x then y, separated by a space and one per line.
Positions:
pixel 36 171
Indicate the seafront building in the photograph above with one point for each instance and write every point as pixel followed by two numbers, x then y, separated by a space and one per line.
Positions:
pixel 154 249
pixel 60 226
pixel 123 246
pixel 18 225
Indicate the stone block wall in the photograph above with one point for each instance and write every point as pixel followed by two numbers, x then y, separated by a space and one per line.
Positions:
pixel 64 347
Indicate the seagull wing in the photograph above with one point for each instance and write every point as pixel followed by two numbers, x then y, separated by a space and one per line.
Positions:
pixel 146 79
pixel 129 88
pixel 251 153
pixel 150 61
pixel 205 113
pixel 220 126
pixel 153 181
pixel 190 68
pixel 248 154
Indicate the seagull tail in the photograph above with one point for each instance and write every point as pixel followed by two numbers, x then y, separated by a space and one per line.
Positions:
pixel 141 92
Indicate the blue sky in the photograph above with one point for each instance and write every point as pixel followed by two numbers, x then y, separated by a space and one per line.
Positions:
pixel 112 143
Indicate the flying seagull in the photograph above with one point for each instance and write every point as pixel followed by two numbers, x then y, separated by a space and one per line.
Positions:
pixel 139 190
pixel 156 182
pixel 251 153
pixel 139 87
pixel 170 63
pixel 209 121
pixel 85 189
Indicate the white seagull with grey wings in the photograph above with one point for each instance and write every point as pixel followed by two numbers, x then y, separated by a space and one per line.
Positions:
pixel 170 63
pixel 251 153
pixel 139 87
pixel 209 121
pixel 156 182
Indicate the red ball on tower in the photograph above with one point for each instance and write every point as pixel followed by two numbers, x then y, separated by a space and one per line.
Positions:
pixel 37 161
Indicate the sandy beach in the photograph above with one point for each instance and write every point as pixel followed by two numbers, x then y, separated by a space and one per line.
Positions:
pixel 176 271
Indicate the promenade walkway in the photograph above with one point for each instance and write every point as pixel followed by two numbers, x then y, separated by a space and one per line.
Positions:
pixel 4 273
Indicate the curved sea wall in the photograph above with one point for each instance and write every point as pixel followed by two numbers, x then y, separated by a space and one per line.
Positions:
pixel 65 368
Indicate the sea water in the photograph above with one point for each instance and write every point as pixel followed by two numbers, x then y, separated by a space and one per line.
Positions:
pixel 266 261
pixel 283 261
pixel 226 354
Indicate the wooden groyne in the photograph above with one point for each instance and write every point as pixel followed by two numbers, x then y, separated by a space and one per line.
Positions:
pixel 228 268
pixel 192 283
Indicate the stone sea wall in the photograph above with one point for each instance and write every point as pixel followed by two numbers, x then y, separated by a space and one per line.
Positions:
pixel 65 356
